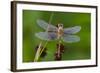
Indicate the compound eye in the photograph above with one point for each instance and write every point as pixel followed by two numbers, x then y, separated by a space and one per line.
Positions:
pixel 61 24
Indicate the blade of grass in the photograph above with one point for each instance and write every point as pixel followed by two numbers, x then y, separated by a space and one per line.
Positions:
pixel 37 53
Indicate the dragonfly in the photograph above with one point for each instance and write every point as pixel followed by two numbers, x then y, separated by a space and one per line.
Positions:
pixel 57 33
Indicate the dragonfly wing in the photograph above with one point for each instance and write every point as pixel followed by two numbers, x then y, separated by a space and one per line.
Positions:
pixel 46 26
pixel 49 36
pixel 72 30
pixel 70 38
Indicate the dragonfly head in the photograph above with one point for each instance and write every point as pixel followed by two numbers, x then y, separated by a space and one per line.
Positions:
pixel 60 25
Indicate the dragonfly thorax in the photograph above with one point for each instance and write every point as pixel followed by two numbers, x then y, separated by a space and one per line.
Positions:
pixel 60 31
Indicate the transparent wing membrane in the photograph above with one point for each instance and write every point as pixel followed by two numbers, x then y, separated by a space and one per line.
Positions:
pixel 72 30
pixel 70 38
pixel 49 36
pixel 46 26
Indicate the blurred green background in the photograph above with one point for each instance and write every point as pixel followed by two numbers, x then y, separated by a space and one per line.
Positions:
pixel 73 51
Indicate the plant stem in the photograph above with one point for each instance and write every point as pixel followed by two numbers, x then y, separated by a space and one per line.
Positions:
pixel 37 52
pixel 51 17
pixel 42 49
